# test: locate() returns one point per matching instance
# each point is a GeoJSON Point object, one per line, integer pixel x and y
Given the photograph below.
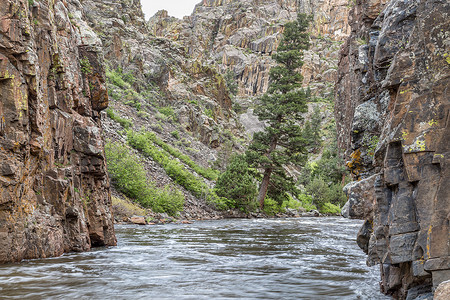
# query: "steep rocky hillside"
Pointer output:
{"type": "Point", "coordinates": [54, 189]}
{"type": "Point", "coordinates": [175, 78]}
{"type": "Point", "coordinates": [392, 112]}
{"type": "Point", "coordinates": [240, 36]}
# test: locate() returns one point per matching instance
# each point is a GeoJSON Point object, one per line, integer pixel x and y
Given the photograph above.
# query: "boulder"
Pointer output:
{"type": "Point", "coordinates": [139, 220]}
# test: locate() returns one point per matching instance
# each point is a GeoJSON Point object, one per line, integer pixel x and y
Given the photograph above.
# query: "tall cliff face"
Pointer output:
{"type": "Point", "coordinates": [392, 112]}
{"type": "Point", "coordinates": [240, 36]}
{"type": "Point", "coordinates": [54, 190]}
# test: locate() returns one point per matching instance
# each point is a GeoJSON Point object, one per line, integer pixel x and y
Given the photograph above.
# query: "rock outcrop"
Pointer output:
{"type": "Point", "coordinates": [393, 114]}
{"type": "Point", "coordinates": [240, 36]}
{"type": "Point", "coordinates": [54, 189]}
{"type": "Point", "coordinates": [161, 68]}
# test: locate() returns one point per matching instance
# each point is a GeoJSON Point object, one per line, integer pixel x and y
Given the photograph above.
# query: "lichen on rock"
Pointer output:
{"type": "Point", "coordinates": [54, 189]}
{"type": "Point", "coordinates": [397, 90]}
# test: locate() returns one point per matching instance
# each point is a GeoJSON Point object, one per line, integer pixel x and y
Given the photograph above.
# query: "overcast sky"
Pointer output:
{"type": "Point", "coordinates": [176, 8]}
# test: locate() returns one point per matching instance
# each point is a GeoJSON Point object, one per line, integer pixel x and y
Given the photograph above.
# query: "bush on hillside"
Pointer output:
{"type": "Point", "coordinates": [129, 177]}
{"type": "Point", "coordinates": [237, 184]}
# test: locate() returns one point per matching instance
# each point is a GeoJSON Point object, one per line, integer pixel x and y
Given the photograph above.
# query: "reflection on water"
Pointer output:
{"type": "Point", "coordinates": [306, 258]}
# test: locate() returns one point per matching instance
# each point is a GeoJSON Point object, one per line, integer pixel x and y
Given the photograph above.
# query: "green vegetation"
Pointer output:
{"type": "Point", "coordinates": [237, 184]}
{"type": "Point", "coordinates": [371, 143]}
{"type": "Point", "coordinates": [148, 143]}
{"type": "Point", "coordinates": [175, 134]}
{"type": "Point", "coordinates": [129, 176]}
{"type": "Point", "coordinates": [230, 80]}
{"type": "Point", "coordinates": [143, 142]}
{"type": "Point", "coordinates": [282, 143]}
{"type": "Point", "coordinates": [86, 67]}
{"type": "Point", "coordinates": [121, 88]}
{"type": "Point", "coordinates": [330, 208]}
{"type": "Point", "coordinates": [271, 207]}
{"type": "Point", "coordinates": [209, 113]}
{"type": "Point", "coordinates": [361, 41]}
{"type": "Point", "coordinates": [115, 117]}
{"type": "Point", "coordinates": [306, 202]}
{"type": "Point", "coordinates": [120, 79]}
{"type": "Point", "coordinates": [207, 173]}
{"type": "Point", "coordinates": [311, 132]}
{"type": "Point", "coordinates": [323, 179]}
{"type": "Point", "coordinates": [166, 113]}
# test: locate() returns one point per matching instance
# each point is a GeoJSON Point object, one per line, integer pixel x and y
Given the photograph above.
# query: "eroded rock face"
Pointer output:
{"type": "Point", "coordinates": [240, 36]}
{"type": "Point", "coordinates": [54, 190]}
{"type": "Point", "coordinates": [393, 105]}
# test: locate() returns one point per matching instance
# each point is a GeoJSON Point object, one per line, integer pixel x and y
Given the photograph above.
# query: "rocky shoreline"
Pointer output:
{"type": "Point", "coordinates": [151, 218]}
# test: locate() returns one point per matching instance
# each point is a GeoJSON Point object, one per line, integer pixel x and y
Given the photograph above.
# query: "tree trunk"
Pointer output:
{"type": "Point", "coordinates": [264, 187]}
{"type": "Point", "coordinates": [267, 172]}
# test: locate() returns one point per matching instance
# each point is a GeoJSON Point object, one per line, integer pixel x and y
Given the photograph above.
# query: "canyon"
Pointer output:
{"type": "Point", "coordinates": [384, 64]}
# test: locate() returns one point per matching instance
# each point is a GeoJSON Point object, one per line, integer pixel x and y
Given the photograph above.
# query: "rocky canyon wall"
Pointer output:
{"type": "Point", "coordinates": [54, 189]}
{"type": "Point", "coordinates": [240, 36]}
{"type": "Point", "coordinates": [393, 113]}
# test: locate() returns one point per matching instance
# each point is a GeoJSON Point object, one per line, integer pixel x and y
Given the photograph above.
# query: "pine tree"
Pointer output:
{"type": "Point", "coordinates": [281, 108]}
{"type": "Point", "coordinates": [237, 184]}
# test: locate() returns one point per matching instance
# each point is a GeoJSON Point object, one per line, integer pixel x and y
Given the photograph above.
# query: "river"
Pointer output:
{"type": "Point", "coordinates": [305, 258]}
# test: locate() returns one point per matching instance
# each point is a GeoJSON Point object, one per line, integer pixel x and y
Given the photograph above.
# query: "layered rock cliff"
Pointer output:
{"type": "Point", "coordinates": [392, 113]}
{"type": "Point", "coordinates": [182, 64]}
{"type": "Point", "coordinates": [240, 36]}
{"type": "Point", "coordinates": [54, 189]}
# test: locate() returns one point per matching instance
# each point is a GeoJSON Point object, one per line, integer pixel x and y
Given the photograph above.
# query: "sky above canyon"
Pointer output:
{"type": "Point", "coordinates": [176, 8]}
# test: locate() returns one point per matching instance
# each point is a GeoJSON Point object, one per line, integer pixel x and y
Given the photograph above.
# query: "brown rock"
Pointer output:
{"type": "Point", "coordinates": [138, 220]}
{"type": "Point", "coordinates": [443, 291]}
{"type": "Point", "coordinates": [48, 205]}
{"type": "Point", "coordinates": [393, 68]}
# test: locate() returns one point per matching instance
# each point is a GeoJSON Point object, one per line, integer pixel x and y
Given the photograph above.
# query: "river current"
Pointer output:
{"type": "Point", "coordinates": [305, 258]}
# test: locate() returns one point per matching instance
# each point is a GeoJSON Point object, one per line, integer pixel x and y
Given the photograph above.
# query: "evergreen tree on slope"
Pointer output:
{"type": "Point", "coordinates": [281, 108]}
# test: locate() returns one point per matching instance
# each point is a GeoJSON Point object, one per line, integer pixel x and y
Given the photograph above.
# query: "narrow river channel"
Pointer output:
{"type": "Point", "coordinates": [305, 258]}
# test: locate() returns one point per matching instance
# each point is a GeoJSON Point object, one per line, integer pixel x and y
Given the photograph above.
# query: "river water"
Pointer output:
{"type": "Point", "coordinates": [305, 258]}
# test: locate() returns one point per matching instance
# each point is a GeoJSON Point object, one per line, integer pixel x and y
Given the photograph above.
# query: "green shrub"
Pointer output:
{"type": "Point", "coordinates": [126, 170]}
{"type": "Point", "coordinates": [175, 134]}
{"type": "Point", "coordinates": [336, 195]}
{"type": "Point", "coordinates": [168, 200]}
{"type": "Point", "coordinates": [291, 203]}
{"type": "Point", "coordinates": [220, 203]}
{"type": "Point", "coordinates": [120, 79]}
{"type": "Point", "coordinates": [129, 176]}
{"type": "Point", "coordinates": [230, 80]}
{"type": "Point", "coordinates": [143, 141]}
{"type": "Point", "coordinates": [86, 67]}
{"type": "Point", "coordinates": [122, 121]}
{"type": "Point", "coordinates": [166, 110]}
{"type": "Point", "coordinates": [237, 184]}
{"type": "Point", "coordinates": [307, 202]}
{"type": "Point", "coordinates": [207, 173]}
{"type": "Point", "coordinates": [157, 127]}
{"type": "Point", "coordinates": [329, 208]}
{"type": "Point", "coordinates": [271, 207]}
{"type": "Point", "coordinates": [115, 77]}
{"type": "Point", "coordinates": [143, 114]}
{"type": "Point", "coordinates": [209, 113]}
{"type": "Point", "coordinates": [323, 192]}
{"type": "Point", "coordinates": [167, 113]}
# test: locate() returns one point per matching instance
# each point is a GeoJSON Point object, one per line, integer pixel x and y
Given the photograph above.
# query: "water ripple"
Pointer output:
{"type": "Point", "coordinates": [307, 258]}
